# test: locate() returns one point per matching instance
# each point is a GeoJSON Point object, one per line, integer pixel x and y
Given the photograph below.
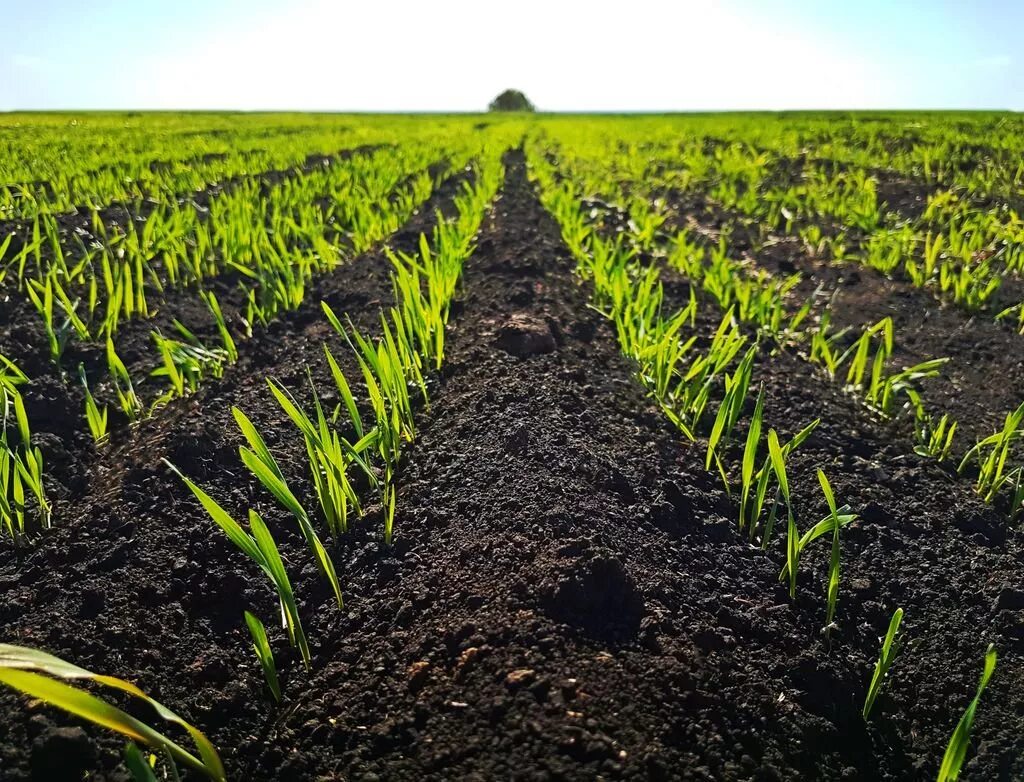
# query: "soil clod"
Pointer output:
{"type": "Point", "coordinates": [524, 335]}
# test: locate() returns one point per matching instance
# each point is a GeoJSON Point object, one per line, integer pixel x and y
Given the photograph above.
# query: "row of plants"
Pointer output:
{"type": "Point", "coordinates": [56, 165]}
{"type": "Point", "coordinates": [861, 360]}
{"type": "Point", "coordinates": [687, 382]}
{"type": "Point", "coordinates": [275, 261]}
{"type": "Point", "coordinates": [794, 177]}
{"type": "Point", "coordinates": [755, 297]}
{"type": "Point", "coordinates": [101, 284]}
{"type": "Point", "coordinates": [24, 507]}
{"type": "Point", "coordinates": [703, 391]}
{"type": "Point", "coordinates": [352, 454]}
{"type": "Point", "coordinates": [277, 280]}
{"type": "Point", "coordinates": [990, 460]}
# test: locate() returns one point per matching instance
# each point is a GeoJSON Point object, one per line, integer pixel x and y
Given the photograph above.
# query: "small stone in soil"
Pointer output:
{"type": "Point", "coordinates": [519, 677]}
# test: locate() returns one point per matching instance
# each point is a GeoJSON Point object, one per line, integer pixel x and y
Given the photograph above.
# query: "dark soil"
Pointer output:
{"type": "Point", "coordinates": [133, 568]}
{"type": "Point", "coordinates": [567, 597]}
{"type": "Point", "coordinates": [55, 399]}
{"type": "Point", "coordinates": [24, 341]}
{"type": "Point", "coordinates": [912, 509]}
{"type": "Point", "coordinates": [984, 378]}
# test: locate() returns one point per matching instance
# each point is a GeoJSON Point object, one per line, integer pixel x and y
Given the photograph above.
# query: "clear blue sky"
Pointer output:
{"type": "Point", "coordinates": [457, 54]}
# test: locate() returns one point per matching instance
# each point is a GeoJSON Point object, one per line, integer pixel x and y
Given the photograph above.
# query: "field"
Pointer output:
{"type": "Point", "coordinates": [512, 446]}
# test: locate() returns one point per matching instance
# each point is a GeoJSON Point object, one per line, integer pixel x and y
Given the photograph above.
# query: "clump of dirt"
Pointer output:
{"type": "Point", "coordinates": [523, 335]}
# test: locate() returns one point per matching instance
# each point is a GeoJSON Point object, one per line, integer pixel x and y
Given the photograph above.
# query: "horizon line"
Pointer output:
{"type": "Point", "coordinates": [470, 112]}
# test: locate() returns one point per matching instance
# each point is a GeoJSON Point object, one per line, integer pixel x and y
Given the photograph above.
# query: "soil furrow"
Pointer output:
{"type": "Point", "coordinates": [568, 593]}
{"type": "Point", "coordinates": [925, 542]}
{"type": "Point", "coordinates": [55, 405]}
{"type": "Point", "coordinates": [135, 579]}
{"type": "Point", "coordinates": [545, 606]}
{"type": "Point", "coordinates": [984, 378]}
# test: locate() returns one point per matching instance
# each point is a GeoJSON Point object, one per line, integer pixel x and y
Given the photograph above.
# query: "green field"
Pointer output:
{"type": "Point", "coordinates": [512, 446]}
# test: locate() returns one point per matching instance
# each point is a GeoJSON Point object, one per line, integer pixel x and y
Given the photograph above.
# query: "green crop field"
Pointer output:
{"type": "Point", "coordinates": [511, 446]}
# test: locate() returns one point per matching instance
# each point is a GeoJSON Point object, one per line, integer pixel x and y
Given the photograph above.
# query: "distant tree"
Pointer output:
{"type": "Point", "coordinates": [511, 100]}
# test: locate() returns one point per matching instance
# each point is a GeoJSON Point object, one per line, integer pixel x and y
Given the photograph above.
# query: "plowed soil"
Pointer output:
{"type": "Point", "coordinates": [567, 596]}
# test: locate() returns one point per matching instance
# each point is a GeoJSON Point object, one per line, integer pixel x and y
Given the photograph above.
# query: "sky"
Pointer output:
{"type": "Point", "coordinates": [456, 55]}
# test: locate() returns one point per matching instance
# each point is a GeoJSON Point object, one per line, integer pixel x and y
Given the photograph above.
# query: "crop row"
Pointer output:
{"type": "Point", "coordinates": [962, 245]}
{"type": "Point", "coordinates": [51, 167]}
{"type": "Point", "coordinates": [270, 242]}
{"type": "Point", "coordinates": [702, 383]}
{"type": "Point", "coordinates": [861, 359]}
{"type": "Point", "coordinates": [353, 453]}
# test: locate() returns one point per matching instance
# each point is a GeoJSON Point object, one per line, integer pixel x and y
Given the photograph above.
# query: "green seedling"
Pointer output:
{"type": "Point", "coordinates": [260, 547]}
{"type": "Point", "coordinates": [41, 676]}
{"type": "Point", "coordinates": [750, 459]}
{"type": "Point", "coordinates": [890, 648]}
{"type": "Point", "coordinates": [832, 592]}
{"type": "Point", "coordinates": [261, 463]}
{"type": "Point", "coordinates": [959, 742]}
{"type": "Point", "coordinates": [992, 454]}
{"type": "Point", "coordinates": [94, 416]}
{"type": "Point", "coordinates": [127, 399]}
{"type": "Point", "coordinates": [261, 645]}
{"type": "Point", "coordinates": [228, 342]}
{"type": "Point", "coordinates": [792, 538]}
